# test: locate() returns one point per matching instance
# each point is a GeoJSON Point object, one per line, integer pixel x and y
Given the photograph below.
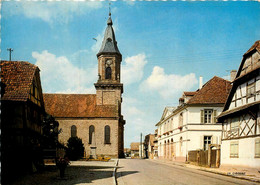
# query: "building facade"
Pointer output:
{"type": "Point", "coordinates": [149, 146]}
{"type": "Point", "coordinates": [192, 125]}
{"type": "Point", "coordinates": [241, 115]}
{"type": "Point", "coordinates": [95, 118]}
{"type": "Point", "coordinates": [134, 149]}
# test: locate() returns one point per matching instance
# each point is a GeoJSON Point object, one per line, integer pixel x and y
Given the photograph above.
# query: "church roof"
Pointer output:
{"type": "Point", "coordinates": [109, 44]}
{"type": "Point", "coordinates": [16, 79]}
{"type": "Point", "coordinates": [216, 90]}
{"type": "Point", "coordinates": [77, 106]}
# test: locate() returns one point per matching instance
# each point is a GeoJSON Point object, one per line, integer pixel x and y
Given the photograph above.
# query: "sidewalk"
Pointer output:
{"type": "Point", "coordinates": [251, 174]}
{"type": "Point", "coordinates": [78, 172]}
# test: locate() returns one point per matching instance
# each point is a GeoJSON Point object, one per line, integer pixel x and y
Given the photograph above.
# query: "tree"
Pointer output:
{"type": "Point", "coordinates": [50, 128]}
{"type": "Point", "coordinates": [75, 148]}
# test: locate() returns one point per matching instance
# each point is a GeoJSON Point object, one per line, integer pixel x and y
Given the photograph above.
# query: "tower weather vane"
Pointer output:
{"type": "Point", "coordinates": [109, 9]}
{"type": "Point", "coordinates": [10, 53]}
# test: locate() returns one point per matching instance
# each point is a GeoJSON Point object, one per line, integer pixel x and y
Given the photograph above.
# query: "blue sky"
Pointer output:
{"type": "Point", "coordinates": [165, 46]}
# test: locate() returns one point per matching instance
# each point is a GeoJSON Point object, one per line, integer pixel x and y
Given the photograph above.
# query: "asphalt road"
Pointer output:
{"type": "Point", "coordinates": [146, 172]}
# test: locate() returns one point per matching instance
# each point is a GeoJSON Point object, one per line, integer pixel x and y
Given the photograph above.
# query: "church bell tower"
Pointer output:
{"type": "Point", "coordinates": [108, 86]}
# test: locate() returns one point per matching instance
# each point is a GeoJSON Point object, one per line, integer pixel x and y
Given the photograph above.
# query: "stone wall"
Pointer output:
{"type": "Point", "coordinates": [83, 125]}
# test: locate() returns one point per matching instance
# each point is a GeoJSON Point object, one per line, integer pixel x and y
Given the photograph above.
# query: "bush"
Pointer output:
{"type": "Point", "coordinates": [75, 148]}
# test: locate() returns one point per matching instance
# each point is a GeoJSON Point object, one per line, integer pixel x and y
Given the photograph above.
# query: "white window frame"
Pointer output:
{"type": "Point", "coordinates": [206, 145]}
{"type": "Point", "coordinates": [208, 113]}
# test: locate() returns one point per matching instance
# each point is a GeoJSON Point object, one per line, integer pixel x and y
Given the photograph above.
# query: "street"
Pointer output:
{"type": "Point", "coordinates": [147, 172]}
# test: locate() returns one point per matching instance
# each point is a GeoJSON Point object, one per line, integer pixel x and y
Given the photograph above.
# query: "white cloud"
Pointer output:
{"type": "Point", "coordinates": [132, 69]}
{"type": "Point", "coordinates": [61, 12]}
{"type": "Point", "coordinates": [130, 2]}
{"type": "Point", "coordinates": [168, 85]}
{"type": "Point", "coordinates": [58, 74]}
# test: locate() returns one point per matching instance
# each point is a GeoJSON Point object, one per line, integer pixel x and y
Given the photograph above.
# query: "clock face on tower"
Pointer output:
{"type": "Point", "coordinates": [108, 62]}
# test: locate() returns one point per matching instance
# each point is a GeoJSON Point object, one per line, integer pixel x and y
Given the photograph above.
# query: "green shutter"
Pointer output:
{"type": "Point", "coordinates": [202, 116]}
{"type": "Point", "coordinates": [257, 147]}
{"type": "Point", "coordinates": [215, 116]}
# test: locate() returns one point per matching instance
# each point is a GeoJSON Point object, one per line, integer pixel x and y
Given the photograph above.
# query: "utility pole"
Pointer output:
{"type": "Point", "coordinates": [10, 53]}
{"type": "Point", "coordinates": [141, 147]}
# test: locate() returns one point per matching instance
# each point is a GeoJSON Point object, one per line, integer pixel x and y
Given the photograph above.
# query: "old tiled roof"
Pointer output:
{"type": "Point", "coordinates": [189, 93]}
{"type": "Point", "coordinates": [134, 146]}
{"type": "Point", "coordinates": [17, 77]}
{"type": "Point", "coordinates": [255, 46]}
{"type": "Point", "coordinates": [77, 106]}
{"type": "Point", "coordinates": [214, 91]}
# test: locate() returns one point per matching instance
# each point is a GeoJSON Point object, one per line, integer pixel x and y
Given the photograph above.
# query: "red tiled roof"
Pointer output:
{"type": "Point", "coordinates": [17, 76]}
{"type": "Point", "coordinates": [189, 93]}
{"type": "Point", "coordinates": [134, 146]}
{"type": "Point", "coordinates": [255, 46]}
{"type": "Point", "coordinates": [215, 90]}
{"type": "Point", "coordinates": [77, 105]}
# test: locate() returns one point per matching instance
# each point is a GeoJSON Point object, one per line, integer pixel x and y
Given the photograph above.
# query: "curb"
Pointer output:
{"type": "Point", "coordinates": [223, 173]}
{"type": "Point", "coordinates": [211, 171]}
{"type": "Point", "coordinates": [114, 172]}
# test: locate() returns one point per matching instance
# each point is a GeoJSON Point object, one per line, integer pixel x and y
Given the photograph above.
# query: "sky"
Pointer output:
{"type": "Point", "coordinates": [166, 46]}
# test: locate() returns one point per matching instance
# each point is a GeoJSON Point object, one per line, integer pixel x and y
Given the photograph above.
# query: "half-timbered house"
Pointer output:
{"type": "Point", "coordinates": [22, 112]}
{"type": "Point", "coordinates": [241, 115]}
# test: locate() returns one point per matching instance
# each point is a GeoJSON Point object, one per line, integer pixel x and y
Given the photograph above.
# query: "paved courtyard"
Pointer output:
{"type": "Point", "coordinates": [79, 172]}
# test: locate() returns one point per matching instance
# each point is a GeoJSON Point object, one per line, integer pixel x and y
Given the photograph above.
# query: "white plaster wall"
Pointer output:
{"type": "Point", "coordinates": [246, 153]}
{"type": "Point", "coordinates": [194, 113]}
{"type": "Point", "coordinates": [197, 139]}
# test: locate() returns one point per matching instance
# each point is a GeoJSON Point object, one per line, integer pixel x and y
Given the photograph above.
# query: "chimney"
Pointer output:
{"type": "Point", "coordinates": [233, 74]}
{"type": "Point", "coordinates": [201, 82]}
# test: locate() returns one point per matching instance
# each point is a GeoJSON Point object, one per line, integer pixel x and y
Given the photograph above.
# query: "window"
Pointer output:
{"type": "Point", "coordinates": [181, 141]}
{"type": "Point", "coordinates": [251, 89]}
{"type": "Point", "coordinates": [108, 72]}
{"type": "Point", "coordinates": [91, 131]}
{"type": "Point", "coordinates": [207, 116]}
{"type": "Point", "coordinates": [257, 147]}
{"type": "Point", "coordinates": [73, 131]}
{"type": "Point", "coordinates": [180, 119]}
{"type": "Point", "coordinates": [207, 141]}
{"type": "Point", "coordinates": [107, 134]}
{"type": "Point", "coordinates": [234, 149]}
{"type": "Point", "coordinates": [234, 123]}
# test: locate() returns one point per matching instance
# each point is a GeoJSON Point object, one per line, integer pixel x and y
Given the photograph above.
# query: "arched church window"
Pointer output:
{"type": "Point", "coordinates": [107, 134]}
{"type": "Point", "coordinates": [91, 131]}
{"type": "Point", "coordinates": [108, 72]}
{"type": "Point", "coordinates": [73, 131]}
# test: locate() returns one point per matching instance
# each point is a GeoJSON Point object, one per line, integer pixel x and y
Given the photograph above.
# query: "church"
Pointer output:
{"type": "Point", "coordinates": [95, 118]}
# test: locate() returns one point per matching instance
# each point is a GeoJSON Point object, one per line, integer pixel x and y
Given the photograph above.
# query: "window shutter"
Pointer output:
{"type": "Point", "coordinates": [257, 147]}
{"type": "Point", "coordinates": [202, 116]}
{"type": "Point", "coordinates": [214, 116]}
{"type": "Point", "coordinates": [234, 149]}
{"type": "Point", "coordinates": [214, 140]}
{"type": "Point", "coordinates": [202, 142]}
